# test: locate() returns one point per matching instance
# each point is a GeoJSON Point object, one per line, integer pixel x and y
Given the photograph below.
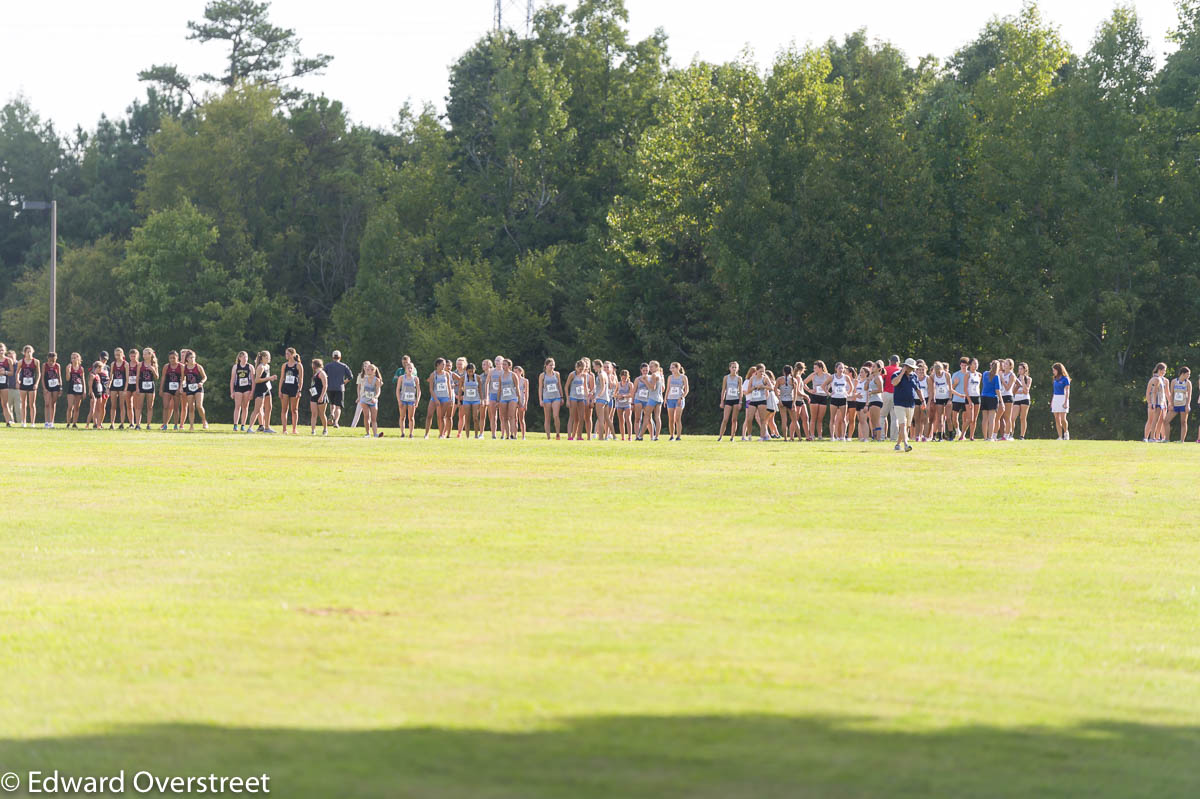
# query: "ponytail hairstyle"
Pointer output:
{"type": "Point", "coordinates": [317, 364]}
{"type": "Point", "coordinates": [819, 364]}
{"type": "Point", "coordinates": [1161, 367]}
{"type": "Point", "coordinates": [261, 358]}
{"type": "Point", "coordinates": [786, 371]}
{"type": "Point", "coordinates": [290, 353]}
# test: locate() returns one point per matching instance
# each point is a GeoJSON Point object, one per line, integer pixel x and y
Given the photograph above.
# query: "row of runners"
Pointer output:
{"type": "Point", "coordinates": [600, 401]}
{"type": "Point", "coordinates": [862, 403]}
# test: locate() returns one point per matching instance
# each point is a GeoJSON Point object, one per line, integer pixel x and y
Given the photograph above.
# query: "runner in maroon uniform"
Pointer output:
{"type": "Point", "coordinates": [52, 381]}
{"type": "Point", "coordinates": [169, 386]}
{"type": "Point", "coordinates": [119, 385]}
{"type": "Point", "coordinates": [29, 374]}
{"type": "Point", "coordinates": [193, 391]}
{"type": "Point", "coordinates": [143, 404]}
{"type": "Point", "coordinates": [75, 389]}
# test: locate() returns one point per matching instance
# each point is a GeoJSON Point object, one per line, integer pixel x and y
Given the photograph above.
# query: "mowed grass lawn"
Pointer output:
{"type": "Point", "coordinates": [487, 619]}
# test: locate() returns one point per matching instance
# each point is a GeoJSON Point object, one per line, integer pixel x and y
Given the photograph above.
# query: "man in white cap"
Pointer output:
{"type": "Point", "coordinates": [905, 393]}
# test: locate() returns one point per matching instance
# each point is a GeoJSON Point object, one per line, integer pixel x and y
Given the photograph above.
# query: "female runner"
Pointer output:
{"type": "Point", "coordinates": [641, 393]}
{"type": "Point", "coordinates": [623, 403]}
{"type": "Point", "coordinates": [974, 382]}
{"type": "Point", "coordinates": [118, 413]}
{"type": "Point", "coordinates": [818, 383]}
{"type": "Point", "coordinates": [860, 401]}
{"type": "Point", "coordinates": [133, 356]}
{"type": "Point", "coordinates": [260, 417]}
{"type": "Point", "coordinates": [1156, 404]}
{"type": "Point", "coordinates": [147, 374]}
{"type": "Point", "coordinates": [318, 398]}
{"type": "Point", "coordinates": [1060, 402]}
{"type": "Point", "coordinates": [470, 410]}
{"type": "Point", "coordinates": [602, 401]}
{"type": "Point", "coordinates": [509, 395]}
{"type": "Point", "coordinates": [578, 390]}
{"type": "Point", "coordinates": [29, 376]}
{"type": "Point", "coordinates": [493, 393]}
{"type": "Point", "coordinates": [839, 393]}
{"type": "Point", "coordinates": [756, 399]}
{"type": "Point", "coordinates": [785, 386]}
{"type": "Point", "coordinates": [169, 384]}
{"type": "Point", "coordinates": [851, 426]}
{"type": "Point", "coordinates": [369, 388]}
{"type": "Point", "coordinates": [550, 397]}
{"type": "Point", "coordinates": [440, 401]}
{"type": "Point", "coordinates": [728, 400]}
{"type": "Point", "coordinates": [1008, 382]}
{"type": "Point", "coordinates": [1181, 401]}
{"type": "Point", "coordinates": [677, 391]}
{"type": "Point", "coordinates": [194, 378]}
{"type": "Point", "coordinates": [409, 389]}
{"type": "Point", "coordinates": [98, 392]}
{"type": "Point", "coordinates": [522, 398]}
{"type": "Point", "coordinates": [52, 383]}
{"type": "Point", "coordinates": [875, 401]}
{"type": "Point", "coordinates": [1021, 393]}
{"type": "Point", "coordinates": [652, 417]}
{"type": "Point", "coordinates": [941, 400]}
{"type": "Point", "coordinates": [291, 377]}
{"type": "Point", "coordinates": [76, 390]}
{"type": "Point", "coordinates": [802, 398]}
{"type": "Point", "coordinates": [7, 383]}
{"type": "Point", "coordinates": [241, 390]}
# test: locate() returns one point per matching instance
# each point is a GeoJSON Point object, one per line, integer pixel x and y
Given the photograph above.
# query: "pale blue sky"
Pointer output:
{"type": "Point", "coordinates": [77, 58]}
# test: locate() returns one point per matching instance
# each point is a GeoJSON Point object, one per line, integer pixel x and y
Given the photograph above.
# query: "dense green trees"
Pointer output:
{"type": "Point", "coordinates": [582, 196]}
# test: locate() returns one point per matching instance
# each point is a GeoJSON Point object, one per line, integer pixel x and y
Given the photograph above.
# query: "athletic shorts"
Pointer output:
{"type": "Point", "coordinates": [504, 402]}
{"type": "Point", "coordinates": [787, 403]}
{"type": "Point", "coordinates": [493, 397]}
{"type": "Point", "coordinates": [652, 403]}
{"type": "Point", "coordinates": [1008, 399]}
{"type": "Point", "coordinates": [988, 403]}
{"type": "Point", "coordinates": [191, 393]}
{"type": "Point", "coordinates": [958, 406]}
{"type": "Point", "coordinates": [470, 402]}
{"type": "Point", "coordinates": [335, 398]}
{"type": "Point", "coordinates": [732, 402]}
{"type": "Point", "coordinates": [756, 403]}
{"type": "Point", "coordinates": [974, 400]}
{"type": "Point", "coordinates": [240, 389]}
{"type": "Point", "coordinates": [604, 402]}
{"type": "Point", "coordinates": [53, 390]}
{"type": "Point", "coordinates": [1026, 402]}
{"type": "Point", "coordinates": [408, 403]}
{"type": "Point", "coordinates": [674, 403]}
{"type": "Point", "coordinates": [146, 390]}
{"type": "Point", "coordinates": [289, 391]}
{"type": "Point", "coordinates": [837, 402]}
{"type": "Point", "coordinates": [858, 406]}
{"type": "Point", "coordinates": [941, 401]}
{"type": "Point", "coordinates": [820, 399]}
{"type": "Point", "coordinates": [875, 404]}
{"type": "Point", "coordinates": [1177, 408]}
{"type": "Point", "coordinates": [551, 401]}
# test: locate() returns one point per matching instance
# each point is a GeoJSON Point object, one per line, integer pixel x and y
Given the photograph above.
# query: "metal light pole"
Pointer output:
{"type": "Point", "coordinates": [52, 207]}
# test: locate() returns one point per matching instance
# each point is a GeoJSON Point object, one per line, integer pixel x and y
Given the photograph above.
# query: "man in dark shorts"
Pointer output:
{"type": "Point", "coordinates": [339, 375]}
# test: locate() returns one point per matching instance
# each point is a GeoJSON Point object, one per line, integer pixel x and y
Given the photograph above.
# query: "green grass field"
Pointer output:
{"type": "Point", "coordinates": [487, 619]}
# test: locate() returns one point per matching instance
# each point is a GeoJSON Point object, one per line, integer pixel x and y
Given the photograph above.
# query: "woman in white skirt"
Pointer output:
{"type": "Point", "coordinates": [1060, 403]}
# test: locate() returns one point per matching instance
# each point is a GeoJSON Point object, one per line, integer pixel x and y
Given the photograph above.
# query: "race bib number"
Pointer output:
{"type": "Point", "coordinates": [643, 393]}
{"type": "Point", "coordinates": [471, 393]}
{"type": "Point", "coordinates": [27, 381]}
{"type": "Point", "coordinates": [147, 385]}
{"type": "Point", "coordinates": [77, 388]}
{"type": "Point", "coordinates": [314, 392]}
{"type": "Point", "coordinates": [731, 392]}
{"type": "Point", "coordinates": [409, 396]}
{"type": "Point", "coordinates": [52, 382]}
{"type": "Point", "coordinates": [756, 395]}
{"type": "Point", "coordinates": [552, 389]}
{"type": "Point", "coordinates": [1180, 397]}
{"type": "Point", "coordinates": [172, 386]}
{"type": "Point", "coordinates": [118, 382]}
{"type": "Point", "coordinates": [674, 392]}
{"type": "Point", "coordinates": [506, 392]}
{"type": "Point", "coordinates": [289, 379]}
{"type": "Point", "coordinates": [193, 386]}
{"type": "Point", "coordinates": [577, 390]}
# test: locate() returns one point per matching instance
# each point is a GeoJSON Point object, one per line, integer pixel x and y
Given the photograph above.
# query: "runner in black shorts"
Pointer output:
{"type": "Point", "coordinates": [241, 388]}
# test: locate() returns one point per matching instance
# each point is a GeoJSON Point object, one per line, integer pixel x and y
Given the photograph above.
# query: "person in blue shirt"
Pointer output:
{"type": "Point", "coordinates": [1060, 403]}
{"type": "Point", "coordinates": [991, 402]}
{"type": "Point", "coordinates": [905, 393]}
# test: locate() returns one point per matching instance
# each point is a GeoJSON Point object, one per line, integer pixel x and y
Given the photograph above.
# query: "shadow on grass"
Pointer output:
{"type": "Point", "coordinates": [640, 756]}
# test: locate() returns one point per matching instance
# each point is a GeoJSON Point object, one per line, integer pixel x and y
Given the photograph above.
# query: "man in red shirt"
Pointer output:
{"type": "Point", "coordinates": [889, 395]}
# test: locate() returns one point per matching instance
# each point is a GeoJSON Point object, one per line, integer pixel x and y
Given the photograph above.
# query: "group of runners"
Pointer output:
{"type": "Point", "coordinates": [859, 403]}
{"type": "Point", "coordinates": [1167, 400]}
{"type": "Point", "coordinates": [601, 402]}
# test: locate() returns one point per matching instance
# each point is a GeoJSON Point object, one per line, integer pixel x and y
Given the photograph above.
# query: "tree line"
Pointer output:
{"type": "Point", "coordinates": [581, 195]}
